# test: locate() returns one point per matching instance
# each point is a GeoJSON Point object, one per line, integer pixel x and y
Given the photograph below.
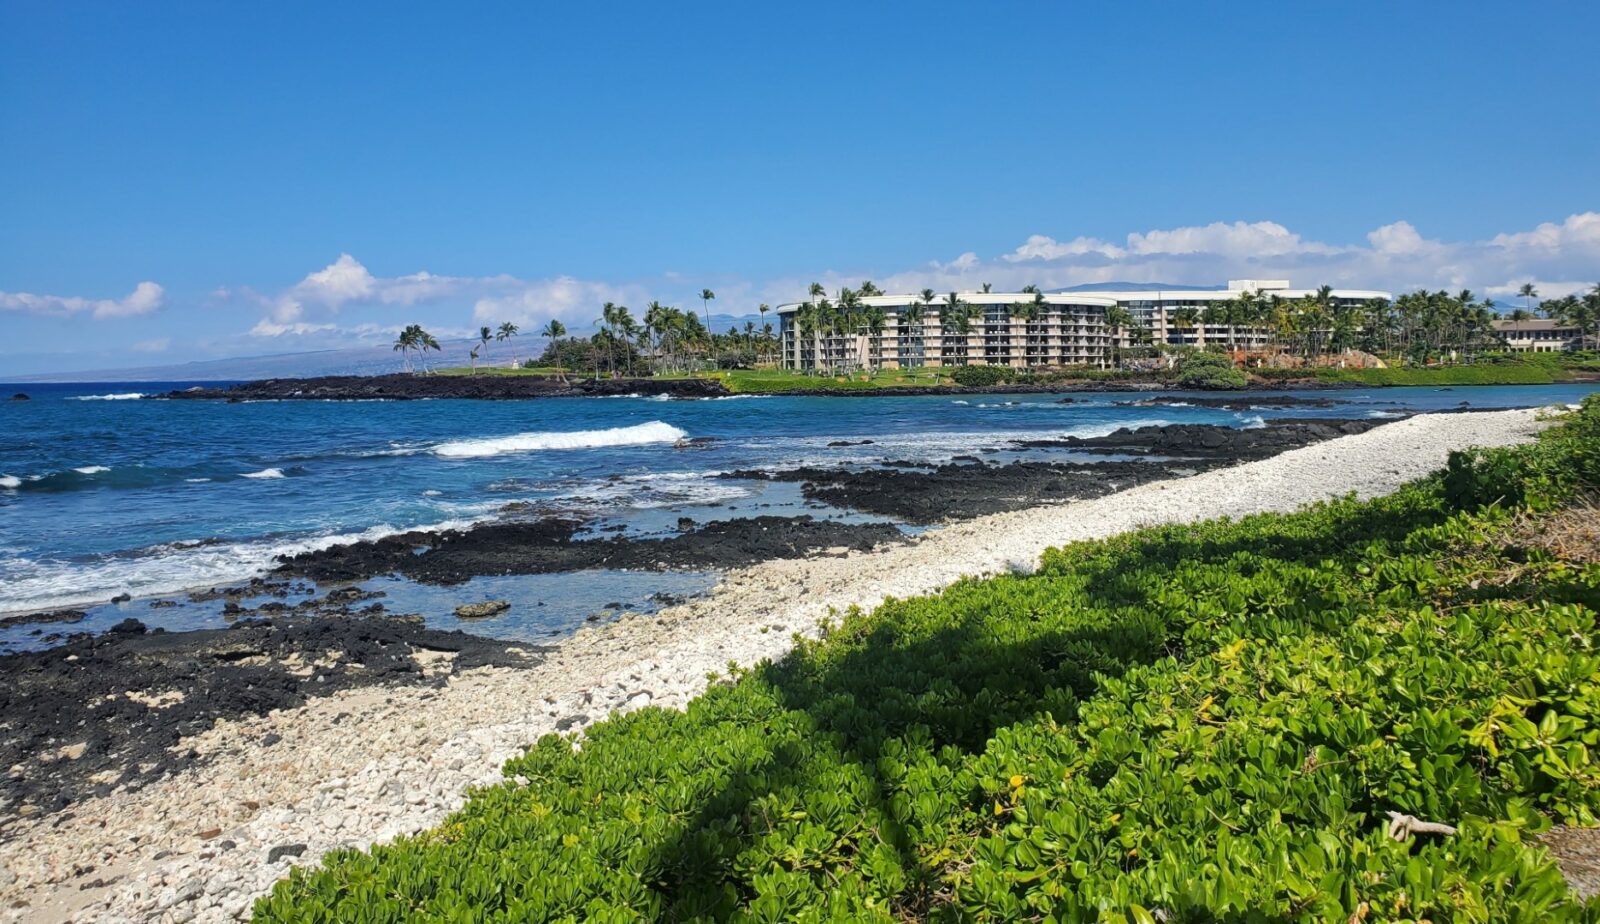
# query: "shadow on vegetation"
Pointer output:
{"type": "Point", "coordinates": [892, 691]}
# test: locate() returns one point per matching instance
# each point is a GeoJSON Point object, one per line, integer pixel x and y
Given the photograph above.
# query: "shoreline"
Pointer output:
{"type": "Point", "coordinates": [898, 494]}
{"type": "Point", "coordinates": [367, 765]}
{"type": "Point", "coordinates": [490, 387]}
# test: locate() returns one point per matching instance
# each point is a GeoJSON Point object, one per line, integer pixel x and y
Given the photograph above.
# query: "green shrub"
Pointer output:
{"type": "Point", "coordinates": [1210, 721]}
{"type": "Point", "coordinates": [1209, 370]}
{"type": "Point", "coordinates": [1476, 374]}
{"type": "Point", "coordinates": [981, 376]}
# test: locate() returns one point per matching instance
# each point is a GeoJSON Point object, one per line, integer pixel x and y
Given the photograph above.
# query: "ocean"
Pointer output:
{"type": "Point", "coordinates": [103, 492]}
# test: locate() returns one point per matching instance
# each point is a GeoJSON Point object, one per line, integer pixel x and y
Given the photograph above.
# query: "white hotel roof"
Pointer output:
{"type": "Point", "coordinates": [978, 298]}
{"type": "Point", "coordinates": [1207, 295]}
{"type": "Point", "coordinates": [1109, 297]}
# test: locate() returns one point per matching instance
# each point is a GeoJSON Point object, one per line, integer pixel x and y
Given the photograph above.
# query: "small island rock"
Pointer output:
{"type": "Point", "coordinates": [481, 610]}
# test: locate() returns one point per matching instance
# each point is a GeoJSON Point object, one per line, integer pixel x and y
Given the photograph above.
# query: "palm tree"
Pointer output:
{"type": "Point", "coordinates": [1185, 318]}
{"type": "Point", "coordinates": [1583, 313]}
{"type": "Point", "coordinates": [1117, 320]}
{"type": "Point", "coordinates": [910, 324]}
{"type": "Point", "coordinates": [955, 316]}
{"type": "Point", "coordinates": [763, 308]}
{"type": "Point", "coordinates": [868, 287]}
{"type": "Point", "coordinates": [613, 317]}
{"type": "Point", "coordinates": [706, 295]}
{"type": "Point", "coordinates": [554, 331]}
{"type": "Point", "coordinates": [873, 320]}
{"type": "Point", "coordinates": [1528, 293]}
{"type": "Point", "coordinates": [505, 333]}
{"type": "Point", "coordinates": [426, 342]}
{"type": "Point", "coordinates": [655, 319]}
{"type": "Point", "coordinates": [1027, 312]}
{"type": "Point", "coordinates": [484, 336]}
{"type": "Point", "coordinates": [406, 342]}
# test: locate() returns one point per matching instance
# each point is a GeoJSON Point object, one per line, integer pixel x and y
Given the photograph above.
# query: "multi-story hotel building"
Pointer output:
{"type": "Point", "coordinates": [1063, 329]}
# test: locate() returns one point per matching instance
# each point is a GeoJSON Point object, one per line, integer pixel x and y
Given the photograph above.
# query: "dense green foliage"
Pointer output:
{"type": "Point", "coordinates": [1207, 722]}
{"type": "Point", "coordinates": [1209, 370]}
{"type": "Point", "coordinates": [1477, 374]}
{"type": "Point", "coordinates": [981, 376]}
{"type": "Point", "coordinates": [783, 381]}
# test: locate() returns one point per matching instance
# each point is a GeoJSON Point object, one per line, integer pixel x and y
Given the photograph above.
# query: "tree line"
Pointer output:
{"type": "Point", "coordinates": [665, 339]}
{"type": "Point", "coordinates": [1421, 327]}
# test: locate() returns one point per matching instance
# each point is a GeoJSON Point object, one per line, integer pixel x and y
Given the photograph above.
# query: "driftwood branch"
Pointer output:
{"type": "Point", "coordinates": [1402, 826]}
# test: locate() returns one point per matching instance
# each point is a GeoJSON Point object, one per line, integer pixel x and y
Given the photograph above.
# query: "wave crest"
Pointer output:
{"type": "Point", "coordinates": [655, 431]}
{"type": "Point", "coordinates": [264, 473]}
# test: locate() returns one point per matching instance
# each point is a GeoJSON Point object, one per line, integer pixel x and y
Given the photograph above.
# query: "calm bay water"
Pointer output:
{"type": "Point", "coordinates": [102, 493]}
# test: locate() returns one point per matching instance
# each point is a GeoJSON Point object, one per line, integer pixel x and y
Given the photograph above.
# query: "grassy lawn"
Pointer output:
{"type": "Point", "coordinates": [1521, 369]}
{"type": "Point", "coordinates": [1506, 374]}
{"type": "Point", "coordinates": [1185, 723]}
{"type": "Point", "coordinates": [497, 370]}
{"type": "Point", "coordinates": [766, 381]}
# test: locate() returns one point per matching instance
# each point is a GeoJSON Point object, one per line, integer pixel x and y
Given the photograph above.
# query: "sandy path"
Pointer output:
{"type": "Point", "coordinates": [369, 765]}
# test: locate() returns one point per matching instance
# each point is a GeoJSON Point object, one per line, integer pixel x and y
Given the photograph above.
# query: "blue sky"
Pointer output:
{"type": "Point", "coordinates": [281, 176]}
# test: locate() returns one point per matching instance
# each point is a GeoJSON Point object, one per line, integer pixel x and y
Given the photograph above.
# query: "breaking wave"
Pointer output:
{"type": "Point", "coordinates": [655, 431]}
{"type": "Point", "coordinates": [264, 473]}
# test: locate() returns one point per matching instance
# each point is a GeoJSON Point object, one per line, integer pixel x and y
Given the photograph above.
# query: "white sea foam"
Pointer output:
{"type": "Point", "coordinates": [801, 451]}
{"type": "Point", "coordinates": [10, 481]}
{"type": "Point", "coordinates": [659, 398]}
{"type": "Point", "coordinates": [662, 489]}
{"type": "Point", "coordinates": [92, 469]}
{"type": "Point", "coordinates": [640, 434]}
{"type": "Point", "coordinates": [125, 396]}
{"type": "Point", "coordinates": [264, 473]}
{"type": "Point", "coordinates": [197, 480]}
{"type": "Point", "coordinates": [1253, 422]}
{"type": "Point", "coordinates": [30, 586]}
{"type": "Point", "coordinates": [1386, 414]}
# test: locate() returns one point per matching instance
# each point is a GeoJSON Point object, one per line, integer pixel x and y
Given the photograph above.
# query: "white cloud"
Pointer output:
{"type": "Point", "coordinates": [1040, 247]}
{"type": "Point", "coordinates": [309, 306]}
{"type": "Point", "coordinates": [153, 345]}
{"type": "Point", "coordinates": [575, 301]}
{"type": "Point", "coordinates": [1237, 240]}
{"type": "Point", "coordinates": [1545, 288]}
{"type": "Point", "coordinates": [145, 298]}
{"type": "Point", "coordinates": [267, 327]}
{"type": "Point", "coordinates": [1396, 256]}
{"type": "Point", "coordinates": [1581, 231]}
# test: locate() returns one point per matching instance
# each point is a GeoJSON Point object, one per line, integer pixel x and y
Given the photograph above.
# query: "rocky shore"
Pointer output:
{"type": "Point", "coordinates": [108, 713]}
{"type": "Point", "coordinates": [247, 791]}
{"type": "Point", "coordinates": [958, 490]}
{"type": "Point", "coordinates": [549, 546]}
{"type": "Point", "coordinates": [513, 387]}
{"type": "Point", "coordinates": [415, 387]}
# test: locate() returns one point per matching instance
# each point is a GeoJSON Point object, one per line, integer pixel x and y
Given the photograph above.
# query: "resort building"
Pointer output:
{"type": "Point", "coordinates": [1024, 329]}
{"type": "Point", "coordinates": [1541, 335]}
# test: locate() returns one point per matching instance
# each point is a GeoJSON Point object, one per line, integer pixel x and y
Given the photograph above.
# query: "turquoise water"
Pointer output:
{"type": "Point", "coordinates": [102, 494]}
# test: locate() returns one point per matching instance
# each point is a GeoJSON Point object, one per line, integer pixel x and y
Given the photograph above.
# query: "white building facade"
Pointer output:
{"type": "Point", "coordinates": [1023, 329]}
{"type": "Point", "coordinates": [1540, 335]}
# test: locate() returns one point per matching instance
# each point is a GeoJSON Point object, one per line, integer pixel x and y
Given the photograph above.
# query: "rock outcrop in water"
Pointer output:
{"type": "Point", "coordinates": [413, 387]}
{"type": "Point", "coordinates": [549, 546]}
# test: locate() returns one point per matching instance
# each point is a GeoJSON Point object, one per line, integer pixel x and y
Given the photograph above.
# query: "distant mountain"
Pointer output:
{"type": "Point", "coordinates": [360, 361]}
{"type": "Point", "coordinates": [371, 360]}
